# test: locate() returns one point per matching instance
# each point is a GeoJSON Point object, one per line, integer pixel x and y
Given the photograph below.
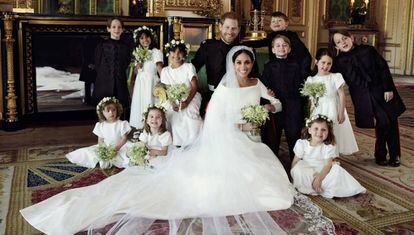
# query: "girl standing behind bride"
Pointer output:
{"type": "Point", "coordinates": [184, 118]}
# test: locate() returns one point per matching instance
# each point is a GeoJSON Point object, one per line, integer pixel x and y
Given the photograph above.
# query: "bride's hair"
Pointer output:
{"type": "Point", "coordinates": [241, 51]}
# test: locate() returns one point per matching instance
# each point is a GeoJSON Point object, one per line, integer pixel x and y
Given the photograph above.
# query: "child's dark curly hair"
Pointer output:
{"type": "Point", "coordinates": [147, 32]}
{"type": "Point", "coordinates": [330, 139]}
{"type": "Point", "coordinates": [179, 45]}
{"type": "Point", "coordinates": [107, 101]}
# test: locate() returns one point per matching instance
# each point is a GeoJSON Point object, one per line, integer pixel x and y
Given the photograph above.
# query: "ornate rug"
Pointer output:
{"type": "Point", "coordinates": [29, 175]}
{"type": "Point", "coordinates": [42, 172]}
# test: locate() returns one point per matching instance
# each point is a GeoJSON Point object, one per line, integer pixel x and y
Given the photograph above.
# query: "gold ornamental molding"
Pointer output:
{"type": "Point", "coordinates": [23, 6]}
{"type": "Point", "coordinates": [11, 98]}
{"type": "Point", "coordinates": [207, 8]}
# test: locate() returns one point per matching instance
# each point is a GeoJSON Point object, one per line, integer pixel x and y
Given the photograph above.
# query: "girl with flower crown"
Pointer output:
{"type": "Point", "coordinates": [155, 134]}
{"type": "Point", "coordinates": [148, 64]}
{"type": "Point", "coordinates": [313, 169]}
{"type": "Point", "coordinates": [183, 116]}
{"type": "Point", "coordinates": [111, 132]}
{"type": "Point", "coordinates": [333, 103]}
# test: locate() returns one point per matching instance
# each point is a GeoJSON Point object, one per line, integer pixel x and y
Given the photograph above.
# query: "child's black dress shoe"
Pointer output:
{"type": "Point", "coordinates": [381, 162]}
{"type": "Point", "coordinates": [394, 163]}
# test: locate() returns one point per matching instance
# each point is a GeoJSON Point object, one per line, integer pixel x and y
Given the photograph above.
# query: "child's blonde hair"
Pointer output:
{"type": "Point", "coordinates": [162, 110]}
{"type": "Point", "coordinates": [107, 101]}
{"type": "Point", "coordinates": [319, 118]}
{"type": "Point", "coordinates": [283, 37]}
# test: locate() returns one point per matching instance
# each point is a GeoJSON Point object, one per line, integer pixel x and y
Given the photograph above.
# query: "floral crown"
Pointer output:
{"type": "Point", "coordinates": [310, 120]}
{"type": "Point", "coordinates": [102, 103]}
{"type": "Point", "coordinates": [136, 32]}
{"type": "Point", "coordinates": [152, 106]}
{"type": "Point", "coordinates": [175, 43]}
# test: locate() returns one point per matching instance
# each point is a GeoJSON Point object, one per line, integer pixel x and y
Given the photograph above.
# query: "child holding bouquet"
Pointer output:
{"type": "Point", "coordinates": [148, 61]}
{"type": "Point", "coordinates": [332, 103]}
{"type": "Point", "coordinates": [313, 169]}
{"type": "Point", "coordinates": [155, 135]}
{"type": "Point", "coordinates": [112, 138]}
{"type": "Point", "coordinates": [184, 100]}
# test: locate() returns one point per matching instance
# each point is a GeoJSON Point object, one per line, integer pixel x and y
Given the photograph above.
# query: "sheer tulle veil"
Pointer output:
{"type": "Point", "coordinates": [214, 178]}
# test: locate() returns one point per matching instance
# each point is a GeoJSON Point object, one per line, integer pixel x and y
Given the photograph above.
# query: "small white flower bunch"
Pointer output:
{"type": "Point", "coordinates": [136, 32]}
{"type": "Point", "coordinates": [138, 155]}
{"type": "Point", "coordinates": [255, 114]}
{"type": "Point", "coordinates": [174, 43]}
{"type": "Point", "coordinates": [313, 89]}
{"type": "Point", "coordinates": [178, 92]}
{"type": "Point", "coordinates": [106, 153]}
{"type": "Point", "coordinates": [310, 120]}
{"type": "Point", "coordinates": [105, 100]}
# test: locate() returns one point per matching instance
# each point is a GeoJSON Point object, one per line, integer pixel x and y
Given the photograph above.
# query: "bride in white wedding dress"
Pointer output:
{"type": "Point", "coordinates": [223, 173]}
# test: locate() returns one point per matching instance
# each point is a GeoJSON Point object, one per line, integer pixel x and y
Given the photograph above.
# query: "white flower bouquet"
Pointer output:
{"type": "Point", "coordinates": [313, 90]}
{"type": "Point", "coordinates": [106, 153]}
{"type": "Point", "coordinates": [140, 55]}
{"type": "Point", "coordinates": [138, 154]}
{"type": "Point", "coordinates": [177, 92]}
{"type": "Point", "coordinates": [255, 114]}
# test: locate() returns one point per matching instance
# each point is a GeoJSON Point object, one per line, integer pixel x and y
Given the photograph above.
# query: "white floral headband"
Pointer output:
{"type": "Point", "coordinates": [136, 32]}
{"type": "Point", "coordinates": [152, 106]}
{"type": "Point", "coordinates": [102, 103]}
{"type": "Point", "coordinates": [310, 120]}
{"type": "Point", "coordinates": [175, 43]}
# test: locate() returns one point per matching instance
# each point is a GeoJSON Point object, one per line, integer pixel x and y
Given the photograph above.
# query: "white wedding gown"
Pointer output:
{"type": "Point", "coordinates": [220, 181]}
{"type": "Point", "coordinates": [223, 173]}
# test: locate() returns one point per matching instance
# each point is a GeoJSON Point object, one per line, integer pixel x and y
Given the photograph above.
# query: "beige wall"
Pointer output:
{"type": "Point", "coordinates": [396, 28]}
{"type": "Point", "coordinates": [395, 20]}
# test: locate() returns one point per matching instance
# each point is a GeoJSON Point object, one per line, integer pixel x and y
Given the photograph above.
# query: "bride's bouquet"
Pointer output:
{"type": "Point", "coordinates": [177, 93]}
{"type": "Point", "coordinates": [256, 115]}
{"type": "Point", "coordinates": [140, 55]}
{"type": "Point", "coordinates": [138, 154]}
{"type": "Point", "coordinates": [106, 153]}
{"type": "Point", "coordinates": [313, 90]}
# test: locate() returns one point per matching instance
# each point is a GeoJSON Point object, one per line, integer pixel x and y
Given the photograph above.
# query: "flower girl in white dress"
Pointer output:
{"type": "Point", "coordinates": [147, 76]}
{"type": "Point", "coordinates": [111, 132]}
{"type": "Point", "coordinates": [332, 104]}
{"type": "Point", "coordinates": [184, 118]}
{"type": "Point", "coordinates": [155, 134]}
{"type": "Point", "coordinates": [313, 169]}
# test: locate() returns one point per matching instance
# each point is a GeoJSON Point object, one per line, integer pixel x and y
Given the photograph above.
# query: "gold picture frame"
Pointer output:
{"type": "Point", "coordinates": [94, 7]}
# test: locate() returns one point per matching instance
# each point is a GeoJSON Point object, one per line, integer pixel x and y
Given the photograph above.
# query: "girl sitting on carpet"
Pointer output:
{"type": "Point", "coordinates": [111, 132]}
{"type": "Point", "coordinates": [155, 134]}
{"type": "Point", "coordinates": [313, 170]}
